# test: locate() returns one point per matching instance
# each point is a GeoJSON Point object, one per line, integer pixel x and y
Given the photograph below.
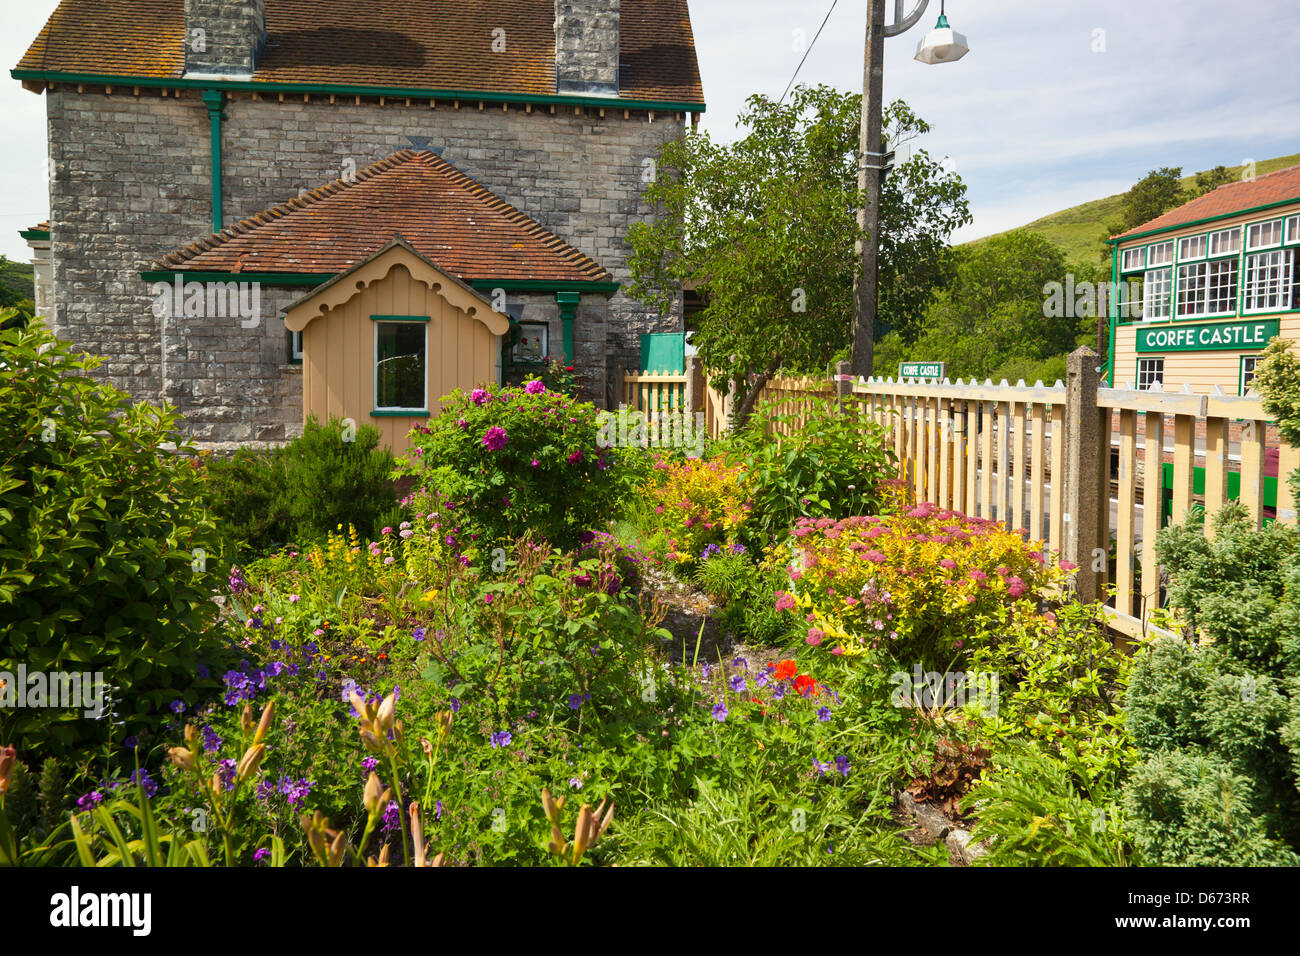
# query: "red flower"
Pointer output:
{"type": "Point", "coordinates": [786, 669]}
{"type": "Point", "coordinates": [806, 686]}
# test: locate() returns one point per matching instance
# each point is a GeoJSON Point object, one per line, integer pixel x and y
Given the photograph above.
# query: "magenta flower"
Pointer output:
{"type": "Point", "coordinates": [535, 388]}
{"type": "Point", "coordinates": [784, 601]}
{"type": "Point", "coordinates": [495, 439]}
{"type": "Point", "coordinates": [478, 396]}
{"type": "Point", "coordinates": [575, 457]}
{"type": "Point", "coordinates": [815, 636]}
{"type": "Point", "coordinates": [1016, 587]}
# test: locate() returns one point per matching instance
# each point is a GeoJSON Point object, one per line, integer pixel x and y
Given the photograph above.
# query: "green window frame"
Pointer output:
{"type": "Point", "coordinates": [401, 365]}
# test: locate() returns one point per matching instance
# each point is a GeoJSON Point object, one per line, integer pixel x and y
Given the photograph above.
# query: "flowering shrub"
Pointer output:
{"type": "Point", "coordinates": [698, 503]}
{"type": "Point", "coordinates": [918, 585]}
{"type": "Point", "coordinates": [508, 461]}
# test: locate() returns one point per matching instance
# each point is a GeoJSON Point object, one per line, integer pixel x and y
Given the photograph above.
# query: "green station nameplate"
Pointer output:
{"type": "Point", "coordinates": [1216, 337]}
{"type": "Point", "coordinates": [921, 370]}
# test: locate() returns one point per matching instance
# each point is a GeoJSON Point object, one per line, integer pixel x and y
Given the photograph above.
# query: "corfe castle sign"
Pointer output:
{"type": "Point", "coordinates": [1219, 337]}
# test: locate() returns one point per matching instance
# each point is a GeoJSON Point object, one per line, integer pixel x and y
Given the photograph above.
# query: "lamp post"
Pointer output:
{"type": "Point", "coordinates": [941, 45]}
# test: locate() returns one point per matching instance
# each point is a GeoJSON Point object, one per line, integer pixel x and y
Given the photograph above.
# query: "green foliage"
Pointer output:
{"type": "Point", "coordinates": [746, 591]}
{"type": "Point", "coordinates": [997, 318]}
{"type": "Point", "coordinates": [1217, 722]}
{"type": "Point", "coordinates": [104, 546]}
{"type": "Point", "coordinates": [1061, 685]}
{"type": "Point", "coordinates": [326, 478]}
{"type": "Point", "coordinates": [1189, 809]}
{"type": "Point", "coordinates": [510, 461]}
{"type": "Point", "coordinates": [832, 464]}
{"type": "Point", "coordinates": [766, 227]}
{"type": "Point", "coordinates": [1278, 382]}
{"type": "Point", "coordinates": [1033, 811]}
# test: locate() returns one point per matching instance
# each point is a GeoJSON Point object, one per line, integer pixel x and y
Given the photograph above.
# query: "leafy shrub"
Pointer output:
{"type": "Point", "coordinates": [831, 465]}
{"type": "Point", "coordinates": [745, 591]}
{"type": "Point", "coordinates": [1189, 809]}
{"type": "Point", "coordinates": [1062, 684]}
{"type": "Point", "coordinates": [698, 503]}
{"type": "Point", "coordinates": [1032, 811]}
{"type": "Point", "coordinates": [918, 585]}
{"type": "Point", "coordinates": [509, 461]}
{"type": "Point", "coordinates": [103, 545]}
{"type": "Point", "coordinates": [323, 480]}
{"type": "Point", "coordinates": [1278, 382]}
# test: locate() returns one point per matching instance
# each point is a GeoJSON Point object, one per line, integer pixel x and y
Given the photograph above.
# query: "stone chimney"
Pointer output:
{"type": "Point", "coordinates": [587, 47]}
{"type": "Point", "coordinates": [223, 37]}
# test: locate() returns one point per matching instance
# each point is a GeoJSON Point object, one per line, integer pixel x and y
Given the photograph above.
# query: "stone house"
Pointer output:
{"type": "Point", "coordinates": [214, 161]}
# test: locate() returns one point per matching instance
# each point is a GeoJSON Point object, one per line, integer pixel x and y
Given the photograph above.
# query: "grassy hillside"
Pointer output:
{"type": "Point", "coordinates": [1078, 230]}
{"type": "Point", "coordinates": [17, 276]}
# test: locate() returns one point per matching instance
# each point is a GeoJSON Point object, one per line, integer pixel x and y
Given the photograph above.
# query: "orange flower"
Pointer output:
{"type": "Point", "coordinates": [786, 669]}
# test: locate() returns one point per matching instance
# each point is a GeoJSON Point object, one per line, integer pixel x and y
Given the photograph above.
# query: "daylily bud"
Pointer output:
{"type": "Point", "coordinates": [426, 746]}
{"type": "Point", "coordinates": [265, 723]}
{"type": "Point", "coordinates": [315, 826]}
{"type": "Point", "coordinates": [376, 797]}
{"type": "Point", "coordinates": [386, 714]}
{"type": "Point", "coordinates": [191, 737]}
{"type": "Point", "coordinates": [8, 757]}
{"type": "Point", "coordinates": [436, 861]}
{"type": "Point", "coordinates": [444, 723]}
{"type": "Point", "coordinates": [417, 835]}
{"type": "Point", "coordinates": [582, 833]}
{"type": "Point", "coordinates": [383, 858]}
{"type": "Point", "coordinates": [372, 743]}
{"type": "Point", "coordinates": [603, 821]}
{"type": "Point", "coordinates": [246, 718]}
{"type": "Point", "coordinates": [251, 760]}
{"type": "Point", "coordinates": [337, 849]}
{"type": "Point", "coordinates": [182, 757]}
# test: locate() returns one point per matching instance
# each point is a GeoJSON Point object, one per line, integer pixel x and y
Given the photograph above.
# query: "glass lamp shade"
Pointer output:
{"type": "Point", "coordinates": [943, 44]}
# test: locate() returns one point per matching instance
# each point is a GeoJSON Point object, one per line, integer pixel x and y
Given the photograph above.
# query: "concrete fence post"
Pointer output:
{"type": "Point", "coordinates": [1087, 461]}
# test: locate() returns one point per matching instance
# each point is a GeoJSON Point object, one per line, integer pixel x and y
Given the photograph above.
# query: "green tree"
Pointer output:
{"type": "Point", "coordinates": [1209, 181]}
{"type": "Point", "coordinates": [1278, 383]}
{"type": "Point", "coordinates": [1154, 195]}
{"type": "Point", "coordinates": [766, 227]}
{"type": "Point", "coordinates": [996, 318]}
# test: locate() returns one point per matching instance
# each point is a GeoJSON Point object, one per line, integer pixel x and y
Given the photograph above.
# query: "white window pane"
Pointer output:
{"type": "Point", "coordinates": [1156, 299]}
{"type": "Point", "coordinates": [1261, 235]}
{"type": "Point", "coordinates": [1293, 229]}
{"type": "Point", "coordinates": [1225, 242]}
{"type": "Point", "coordinates": [1160, 254]}
{"type": "Point", "coordinates": [1134, 259]}
{"type": "Point", "coordinates": [1193, 247]}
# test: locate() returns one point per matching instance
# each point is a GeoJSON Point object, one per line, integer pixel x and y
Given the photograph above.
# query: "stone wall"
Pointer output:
{"type": "Point", "coordinates": [587, 46]}
{"type": "Point", "coordinates": [223, 36]}
{"type": "Point", "coordinates": [132, 182]}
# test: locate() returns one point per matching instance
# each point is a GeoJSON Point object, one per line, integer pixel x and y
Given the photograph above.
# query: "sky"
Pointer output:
{"type": "Point", "coordinates": [1056, 104]}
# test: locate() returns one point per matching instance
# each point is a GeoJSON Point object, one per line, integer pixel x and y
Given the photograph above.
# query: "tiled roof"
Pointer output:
{"type": "Point", "coordinates": [1275, 187]}
{"type": "Point", "coordinates": [400, 44]}
{"type": "Point", "coordinates": [446, 216]}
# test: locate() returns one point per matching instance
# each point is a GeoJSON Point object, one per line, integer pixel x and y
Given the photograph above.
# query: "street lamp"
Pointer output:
{"type": "Point", "coordinates": [941, 45]}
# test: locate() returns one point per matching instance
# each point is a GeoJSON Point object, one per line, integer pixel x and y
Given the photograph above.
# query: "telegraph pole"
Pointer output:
{"type": "Point", "coordinates": [867, 283]}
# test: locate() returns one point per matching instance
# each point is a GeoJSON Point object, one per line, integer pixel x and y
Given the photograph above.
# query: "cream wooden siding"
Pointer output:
{"type": "Point", "coordinates": [1200, 371]}
{"type": "Point", "coordinates": [339, 354]}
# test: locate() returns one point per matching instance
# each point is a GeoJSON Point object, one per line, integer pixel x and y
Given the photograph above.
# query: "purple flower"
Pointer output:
{"type": "Point", "coordinates": [842, 765]}
{"type": "Point", "coordinates": [418, 634]}
{"type": "Point", "coordinates": [478, 397]}
{"type": "Point", "coordinates": [575, 783]}
{"type": "Point", "coordinates": [455, 705]}
{"type": "Point", "coordinates": [761, 679]}
{"type": "Point", "coordinates": [501, 739]}
{"type": "Point", "coordinates": [577, 700]}
{"type": "Point", "coordinates": [94, 798]}
{"type": "Point", "coordinates": [824, 714]}
{"type": "Point", "coordinates": [821, 768]}
{"type": "Point", "coordinates": [535, 387]}
{"type": "Point", "coordinates": [131, 742]}
{"type": "Point", "coordinates": [226, 771]}
{"type": "Point", "coordinates": [295, 791]}
{"type": "Point", "coordinates": [720, 712]}
{"type": "Point", "coordinates": [737, 683]}
{"type": "Point", "coordinates": [178, 706]}
{"type": "Point", "coordinates": [494, 439]}
{"type": "Point", "coordinates": [392, 817]}
{"type": "Point", "coordinates": [211, 742]}
{"type": "Point", "coordinates": [142, 779]}
{"type": "Point", "coordinates": [261, 855]}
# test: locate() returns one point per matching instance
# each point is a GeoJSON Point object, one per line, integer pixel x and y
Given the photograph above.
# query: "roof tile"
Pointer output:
{"type": "Point", "coordinates": [446, 216]}
{"type": "Point", "coordinates": [1274, 187]}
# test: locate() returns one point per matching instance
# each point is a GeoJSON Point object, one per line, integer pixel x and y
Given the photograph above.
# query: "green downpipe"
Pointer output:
{"type": "Point", "coordinates": [568, 302]}
{"type": "Point", "coordinates": [214, 100]}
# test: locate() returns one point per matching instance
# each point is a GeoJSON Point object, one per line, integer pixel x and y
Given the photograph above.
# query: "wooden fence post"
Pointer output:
{"type": "Point", "coordinates": [694, 384]}
{"type": "Point", "coordinates": [1084, 454]}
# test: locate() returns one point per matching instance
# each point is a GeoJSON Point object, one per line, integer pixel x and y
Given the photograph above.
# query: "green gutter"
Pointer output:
{"type": "Point", "coordinates": [1200, 222]}
{"type": "Point", "coordinates": [214, 100]}
{"type": "Point", "coordinates": [47, 76]}
{"type": "Point", "coordinates": [35, 235]}
{"type": "Point", "coordinates": [546, 285]}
